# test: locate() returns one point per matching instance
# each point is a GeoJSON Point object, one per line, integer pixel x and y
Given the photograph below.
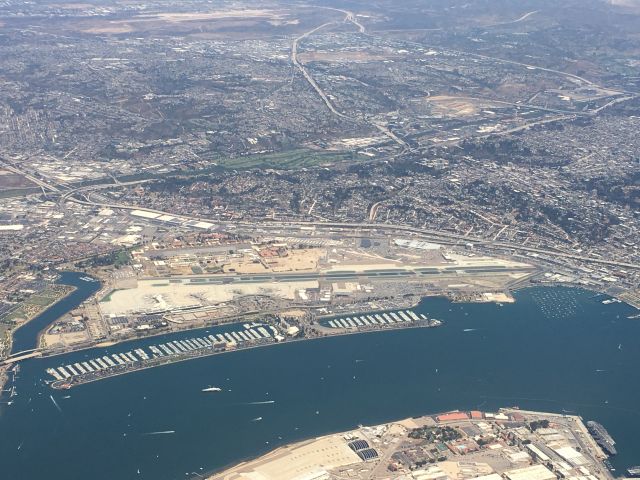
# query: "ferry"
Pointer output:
{"type": "Point", "coordinates": [212, 389]}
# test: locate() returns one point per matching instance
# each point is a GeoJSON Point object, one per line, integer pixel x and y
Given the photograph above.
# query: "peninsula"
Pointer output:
{"type": "Point", "coordinates": [511, 444]}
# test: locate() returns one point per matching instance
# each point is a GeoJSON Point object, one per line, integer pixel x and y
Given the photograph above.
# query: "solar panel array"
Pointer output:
{"type": "Point", "coordinates": [357, 445]}
{"type": "Point", "coordinates": [362, 448]}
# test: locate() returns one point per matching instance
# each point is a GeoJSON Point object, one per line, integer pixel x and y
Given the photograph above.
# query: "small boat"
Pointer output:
{"type": "Point", "coordinates": [634, 471]}
{"type": "Point", "coordinates": [212, 389]}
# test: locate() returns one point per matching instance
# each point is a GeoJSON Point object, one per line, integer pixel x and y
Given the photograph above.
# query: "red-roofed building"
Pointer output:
{"type": "Point", "coordinates": [451, 417]}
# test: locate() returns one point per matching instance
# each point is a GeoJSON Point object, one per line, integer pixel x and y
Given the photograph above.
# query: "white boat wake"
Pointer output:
{"type": "Point", "coordinates": [55, 403]}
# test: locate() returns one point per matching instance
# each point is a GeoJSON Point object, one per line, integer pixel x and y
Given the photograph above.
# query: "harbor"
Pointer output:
{"type": "Point", "coordinates": [251, 335]}
{"type": "Point", "coordinates": [473, 361]}
{"type": "Point", "coordinates": [106, 366]}
{"type": "Point", "coordinates": [398, 319]}
{"type": "Point", "coordinates": [634, 472]}
{"type": "Point", "coordinates": [602, 437]}
{"type": "Point", "coordinates": [453, 445]}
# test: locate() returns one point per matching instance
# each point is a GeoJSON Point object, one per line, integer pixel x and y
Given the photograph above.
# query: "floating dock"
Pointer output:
{"type": "Point", "coordinates": [382, 320]}
{"type": "Point", "coordinates": [67, 376]}
{"type": "Point", "coordinates": [253, 334]}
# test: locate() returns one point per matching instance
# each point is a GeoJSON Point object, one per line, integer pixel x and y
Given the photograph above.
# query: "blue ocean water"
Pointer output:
{"type": "Point", "coordinates": [555, 349]}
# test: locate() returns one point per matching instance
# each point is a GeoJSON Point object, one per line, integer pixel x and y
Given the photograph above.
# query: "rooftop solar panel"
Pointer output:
{"type": "Point", "coordinates": [368, 454]}
{"type": "Point", "coordinates": [357, 445]}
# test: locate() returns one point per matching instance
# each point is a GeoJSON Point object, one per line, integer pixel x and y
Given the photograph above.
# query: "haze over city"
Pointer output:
{"type": "Point", "coordinates": [392, 239]}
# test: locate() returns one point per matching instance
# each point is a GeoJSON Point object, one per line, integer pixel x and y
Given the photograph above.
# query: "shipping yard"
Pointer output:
{"type": "Point", "coordinates": [511, 444]}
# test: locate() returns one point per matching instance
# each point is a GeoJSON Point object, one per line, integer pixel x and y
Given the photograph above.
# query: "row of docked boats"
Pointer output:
{"type": "Point", "coordinates": [381, 320]}
{"type": "Point", "coordinates": [65, 376]}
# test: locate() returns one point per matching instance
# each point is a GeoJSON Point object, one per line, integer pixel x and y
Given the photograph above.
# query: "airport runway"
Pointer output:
{"type": "Point", "coordinates": [420, 272]}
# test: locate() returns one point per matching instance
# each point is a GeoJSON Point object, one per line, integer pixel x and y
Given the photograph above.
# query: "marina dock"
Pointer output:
{"type": "Point", "coordinates": [382, 320]}
{"type": "Point", "coordinates": [67, 376]}
{"type": "Point", "coordinates": [244, 336]}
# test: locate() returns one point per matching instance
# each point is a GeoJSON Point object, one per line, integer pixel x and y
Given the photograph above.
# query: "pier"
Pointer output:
{"type": "Point", "coordinates": [251, 335]}
{"type": "Point", "coordinates": [67, 376]}
{"type": "Point", "coordinates": [377, 321]}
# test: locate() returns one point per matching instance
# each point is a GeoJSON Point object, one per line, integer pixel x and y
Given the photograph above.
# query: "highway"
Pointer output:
{"type": "Point", "coordinates": [528, 66]}
{"type": "Point", "coordinates": [19, 358]}
{"type": "Point", "coordinates": [431, 233]}
{"type": "Point", "coordinates": [42, 184]}
{"type": "Point", "coordinates": [349, 17]}
{"type": "Point", "coordinates": [307, 75]}
{"type": "Point", "coordinates": [422, 232]}
{"type": "Point", "coordinates": [373, 211]}
{"type": "Point", "coordinates": [103, 186]}
{"type": "Point", "coordinates": [517, 20]}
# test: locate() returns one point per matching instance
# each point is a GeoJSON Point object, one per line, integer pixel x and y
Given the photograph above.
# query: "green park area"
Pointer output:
{"type": "Point", "coordinates": [289, 160]}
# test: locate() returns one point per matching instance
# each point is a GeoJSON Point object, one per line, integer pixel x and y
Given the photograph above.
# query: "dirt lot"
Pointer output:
{"type": "Point", "coordinates": [330, 57]}
{"type": "Point", "coordinates": [202, 21]}
{"type": "Point", "coordinates": [295, 261]}
{"type": "Point", "coordinates": [10, 180]}
{"type": "Point", "coordinates": [64, 339]}
{"type": "Point", "coordinates": [452, 106]}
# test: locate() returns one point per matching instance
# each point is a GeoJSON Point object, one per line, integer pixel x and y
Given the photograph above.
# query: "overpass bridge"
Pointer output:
{"type": "Point", "coordinates": [19, 356]}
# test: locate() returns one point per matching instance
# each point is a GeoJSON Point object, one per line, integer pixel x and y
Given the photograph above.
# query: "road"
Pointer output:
{"type": "Point", "coordinates": [349, 17]}
{"type": "Point", "coordinates": [103, 186]}
{"type": "Point", "coordinates": [528, 66]}
{"type": "Point", "coordinates": [307, 75]}
{"type": "Point", "coordinates": [423, 232]}
{"type": "Point", "coordinates": [373, 211]}
{"type": "Point", "coordinates": [535, 67]}
{"type": "Point", "coordinates": [481, 241]}
{"type": "Point", "coordinates": [42, 184]}
{"type": "Point", "coordinates": [517, 20]}
{"type": "Point", "coordinates": [19, 358]}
